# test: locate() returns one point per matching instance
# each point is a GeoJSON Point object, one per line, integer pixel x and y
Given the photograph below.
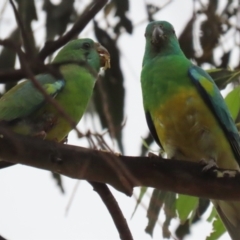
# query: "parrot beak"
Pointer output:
{"type": "Point", "coordinates": [104, 56]}
{"type": "Point", "coordinates": [157, 34]}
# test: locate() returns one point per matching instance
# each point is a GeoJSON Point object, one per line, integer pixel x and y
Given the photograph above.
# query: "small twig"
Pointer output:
{"type": "Point", "coordinates": [106, 108]}
{"type": "Point", "coordinates": [72, 197]}
{"type": "Point", "coordinates": [114, 209]}
{"type": "Point", "coordinates": [87, 15]}
{"type": "Point", "coordinates": [123, 174]}
{"type": "Point", "coordinates": [36, 67]}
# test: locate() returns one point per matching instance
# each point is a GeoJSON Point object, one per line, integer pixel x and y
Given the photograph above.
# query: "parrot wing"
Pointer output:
{"type": "Point", "coordinates": [213, 98]}
{"type": "Point", "coordinates": [152, 129]}
{"type": "Point", "coordinates": [25, 98]}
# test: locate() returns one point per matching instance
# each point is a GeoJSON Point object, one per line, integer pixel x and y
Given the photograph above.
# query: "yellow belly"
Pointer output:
{"type": "Point", "coordinates": [189, 131]}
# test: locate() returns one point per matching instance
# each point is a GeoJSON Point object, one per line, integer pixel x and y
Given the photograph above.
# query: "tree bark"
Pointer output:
{"type": "Point", "coordinates": [122, 172]}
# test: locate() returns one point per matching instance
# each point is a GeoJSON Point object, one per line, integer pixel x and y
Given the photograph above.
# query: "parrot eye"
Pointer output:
{"type": "Point", "coordinates": [86, 45]}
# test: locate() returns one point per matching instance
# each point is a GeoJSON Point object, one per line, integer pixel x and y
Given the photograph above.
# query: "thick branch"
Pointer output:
{"type": "Point", "coordinates": [121, 172]}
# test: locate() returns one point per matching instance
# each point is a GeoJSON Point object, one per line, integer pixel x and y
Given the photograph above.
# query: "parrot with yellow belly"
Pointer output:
{"type": "Point", "coordinates": [186, 113]}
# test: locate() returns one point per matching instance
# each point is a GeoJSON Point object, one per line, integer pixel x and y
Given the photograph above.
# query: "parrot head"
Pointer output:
{"type": "Point", "coordinates": [82, 51]}
{"type": "Point", "coordinates": [160, 40]}
{"type": "Point", "coordinates": [159, 32]}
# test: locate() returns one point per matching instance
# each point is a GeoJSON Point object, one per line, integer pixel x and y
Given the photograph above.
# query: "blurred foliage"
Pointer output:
{"type": "Point", "coordinates": [215, 25]}
{"type": "Point", "coordinates": [27, 11]}
{"type": "Point", "coordinates": [143, 190]}
{"type": "Point", "coordinates": [109, 94]}
{"type": "Point", "coordinates": [58, 180]}
{"type": "Point", "coordinates": [195, 215]}
{"type": "Point", "coordinates": [233, 102]}
{"type": "Point", "coordinates": [120, 8]}
{"type": "Point", "coordinates": [8, 56]}
{"type": "Point", "coordinates": [217, 224]}
{"type": "Point", "coordinates": [58, 17]}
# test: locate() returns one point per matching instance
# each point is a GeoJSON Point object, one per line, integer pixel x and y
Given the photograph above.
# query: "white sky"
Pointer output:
{"type": "Point", "coordinates": [32, 207]}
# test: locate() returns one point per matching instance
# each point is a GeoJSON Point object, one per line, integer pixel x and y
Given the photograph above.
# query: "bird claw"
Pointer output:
{"type": "Point", "coordinates": [212, 165]}
{"type": "Point", "coordinates": [152, 155]}
{"type": "Point", "coordinates": [41, 134]}
{"type": "Point", "coordinates": [208, 165]}
{"type": "Point", "coordinates": [226, 173]}
{"type": "Point", "coordinates": [65, 140]}
{"type": "Point", "coordinates": [118, 154]}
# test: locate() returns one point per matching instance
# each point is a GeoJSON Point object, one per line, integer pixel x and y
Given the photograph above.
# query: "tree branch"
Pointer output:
{"type": "Point", "coordinates": [168, 175]}
{"type": "Point", "coordinates": [88, 14]}
{"type": "Point", "coordinates": [2, 238]}
{"type": "Point", "coordinates": [113, 208]}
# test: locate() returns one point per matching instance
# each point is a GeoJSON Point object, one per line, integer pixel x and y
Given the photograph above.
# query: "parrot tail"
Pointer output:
{"type": "Point", "coordinates": [229, 212]}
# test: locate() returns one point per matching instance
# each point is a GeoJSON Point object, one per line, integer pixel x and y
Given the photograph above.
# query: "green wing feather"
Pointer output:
{"type": "Point", "coordinates": [25, 98]}
{"type": "Point", "coordinates": [211, 95]}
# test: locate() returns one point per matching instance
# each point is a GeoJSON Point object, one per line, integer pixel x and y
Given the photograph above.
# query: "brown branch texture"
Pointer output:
{"type": "Point", "coordinates": [124, 173]}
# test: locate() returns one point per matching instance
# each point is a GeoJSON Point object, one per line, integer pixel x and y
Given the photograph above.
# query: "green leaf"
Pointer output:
{"type": "Point", "coordinates": [142, 193]}
{"type": "Point", "coordinates": [58, 179]}
{"type": "Point", "coordinates": [212, 215]}
{"type": "Point", "coordinates": [170, 205]}
{"type": "Point", "coordinates": [233, 102]}
{"type": "Point", "coordinates": [185, 205]}
{"type": "Point", "coordinates": [158, 200]}
{"type": "Point", "coordinates": [154, 208]}
{"type": "Point", "coordinates": [218, 229]}
{"type": "Point", "coordinates": [184, 228]}
{"type": "Point", "coordinates": [222, 76]}
{"type": "Point", "coordinates": [145, 144]}
{"type": "Point", "coordinates": [170, 212]}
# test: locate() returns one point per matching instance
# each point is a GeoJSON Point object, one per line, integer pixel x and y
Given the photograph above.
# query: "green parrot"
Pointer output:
{"type": "Point", "coordinates": [24, 109]}
{"type": "Point", "coordinates": [186, 113]}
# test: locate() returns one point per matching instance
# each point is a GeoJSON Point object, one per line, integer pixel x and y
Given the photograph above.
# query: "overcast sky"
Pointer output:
{"type": "Point", "coordinates": [32, 207]}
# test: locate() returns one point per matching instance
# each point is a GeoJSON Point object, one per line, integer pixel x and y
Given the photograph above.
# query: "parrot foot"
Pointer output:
{"type": "Point", "coordinates": [118, 154]}
{"type": "Point", "coordinates": [226, 173]}
{"type": "Point", "coordinates": [115, 153]}
{"type": "Point", "coordinates": [65, 140]}
{"type": "Point", "coordinates": [208, 165]}
{"type": "Point", "coordinates": [152, 155]}
{"type": "Point", "coordinates": [41, 134]}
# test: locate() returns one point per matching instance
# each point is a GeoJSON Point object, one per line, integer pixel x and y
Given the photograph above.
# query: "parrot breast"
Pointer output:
{"type": "Point", "coordinates": [189, 131]}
